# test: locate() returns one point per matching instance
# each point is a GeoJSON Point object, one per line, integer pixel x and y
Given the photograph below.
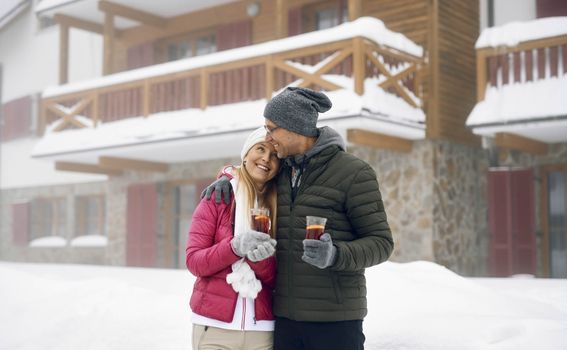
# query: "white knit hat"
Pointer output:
{"type": "Point", "coordinates": [258, 135]}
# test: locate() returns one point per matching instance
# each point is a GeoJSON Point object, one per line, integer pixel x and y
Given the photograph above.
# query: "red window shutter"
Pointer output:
{"type": "Point", "coordinates": [500, 255]}
{"type": "Point", "coordinates": [523, 224]}
{"type": "Point", "coordinates": [16, 116]}
{"type": "Point", "coordinates": [20, 223]}
{"type": "Point", "coordinates": [141, 225]}
{"type": "Point", "coordinates": [511, 205]}
{"type": "Point", "coordinates": [234, 35]}
{"type": "Point", "coordinates": [140, 56]}
{"type": "Point", "coordinates": [294, 21]}
{"type": "Point", "coordinates": [551, 8]}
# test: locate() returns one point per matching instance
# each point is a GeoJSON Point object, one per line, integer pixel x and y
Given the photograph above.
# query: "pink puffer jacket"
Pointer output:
{"type": "Point", "coordinates": [209, 257]}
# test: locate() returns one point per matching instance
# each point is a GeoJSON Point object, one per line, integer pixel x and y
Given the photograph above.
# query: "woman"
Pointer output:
{"type": "Point", "coordinates": [234, 265]}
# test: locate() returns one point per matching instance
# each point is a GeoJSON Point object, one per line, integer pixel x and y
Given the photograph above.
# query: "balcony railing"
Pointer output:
{"type": "Point", "coordinates": [249, 73]}
{"type": "Point", "coordinates": [526, 62]}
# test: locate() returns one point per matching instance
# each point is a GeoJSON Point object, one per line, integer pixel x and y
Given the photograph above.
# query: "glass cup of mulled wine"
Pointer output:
{"type": "Point", "coordinates": [315, 227]}
{"type": "Point", "coordinates": [260, 219]}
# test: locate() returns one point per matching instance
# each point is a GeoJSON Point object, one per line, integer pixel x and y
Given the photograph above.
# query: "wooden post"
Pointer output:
{"type": "Point", "coordinates": [146, 106]}
{"type": "Point", "coordinates": [354, 9]}
{"type": "Point", "coordinates": [204, 88]}
{"type": "Point", "coordinates": [281, 19]}
{"type": "Point", "coordinates": [269, 77]}
{"type": "Point", "coordinates": [433, 121]}
{"type": "Point", "coordinates": [480, 75]}
{"type": "Point", "coordinates": [95, 110]}
{"type": "Point", "coordinates": [107, 66]}
{"type": "Point", "coordinates": [358, 65]}
{"type": "Point", "coordinates": [63, 54]}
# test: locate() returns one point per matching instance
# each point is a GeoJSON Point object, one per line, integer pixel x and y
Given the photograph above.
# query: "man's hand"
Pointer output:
{"type": "Point", "coordinates": [263, 251]}
{"type": "Point", "coordinates": [248, 241]}
{"type": "Point", "coordinates": [319, 252]}
{"type": "Point", "coordinates": [221, 187]}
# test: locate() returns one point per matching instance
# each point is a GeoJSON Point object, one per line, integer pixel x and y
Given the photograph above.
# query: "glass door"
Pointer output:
{"type": "Point", "coordinates": [555, 237]}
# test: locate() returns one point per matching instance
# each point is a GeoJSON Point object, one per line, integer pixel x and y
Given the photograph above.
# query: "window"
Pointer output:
{"type": "Point", "coordinates": [324, 15]}
{"type": "Point", "coordinates": [187, 45]}
{"type": "Point", "coordinates": [205, 45]}
{"type": "Point", "coordinates": [185, 202]}
{"type": "Point", "coordinates": [90, 215]}
{"type": "Point", "coordinates": [48, 217]}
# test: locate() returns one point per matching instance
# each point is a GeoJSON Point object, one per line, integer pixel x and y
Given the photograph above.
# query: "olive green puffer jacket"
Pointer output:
{"type": "Point", "coordinates": [344, 189]}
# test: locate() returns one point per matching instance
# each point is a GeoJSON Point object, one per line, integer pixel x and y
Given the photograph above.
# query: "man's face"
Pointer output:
{"type": "Point", "coordinates": [284, 141]}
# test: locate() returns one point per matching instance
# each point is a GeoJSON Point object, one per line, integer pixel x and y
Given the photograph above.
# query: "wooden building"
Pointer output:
{"type": "Point", "coordinates": [410, 67]}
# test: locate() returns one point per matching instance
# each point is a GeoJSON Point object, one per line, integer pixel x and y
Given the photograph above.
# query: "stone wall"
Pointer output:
{"type": "Point", "coordinates": [460, 230]}
{"type": "Point", "coordinates": [405, 183]}
{"type": "Point", "coordinates": [115, 191]}
{"type": "Point", "coordinates": [67, 254]}
{"type": "Point", "coordinates": [435, 198]}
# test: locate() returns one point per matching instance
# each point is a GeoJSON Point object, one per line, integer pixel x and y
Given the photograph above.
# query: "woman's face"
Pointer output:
{"type": "Point", "coordinates": [262, 163]}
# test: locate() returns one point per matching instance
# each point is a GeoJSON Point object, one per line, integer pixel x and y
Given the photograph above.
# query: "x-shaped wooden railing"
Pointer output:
{"type": "Point", "coordinates": [397, 72]}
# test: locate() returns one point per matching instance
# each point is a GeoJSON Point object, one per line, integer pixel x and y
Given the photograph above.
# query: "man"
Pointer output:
{"type": "Point", "coordinates": [320, 294]}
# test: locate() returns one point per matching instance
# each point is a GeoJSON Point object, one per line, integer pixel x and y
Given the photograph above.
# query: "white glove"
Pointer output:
{"type": "Point", "coordinates": [248, 241]}
{"type": "Point", "coordinates": [262, 251]}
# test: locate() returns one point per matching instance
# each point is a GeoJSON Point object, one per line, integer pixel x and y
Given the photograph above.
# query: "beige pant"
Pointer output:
{"type": "Point", "coordinates": [212, 338]}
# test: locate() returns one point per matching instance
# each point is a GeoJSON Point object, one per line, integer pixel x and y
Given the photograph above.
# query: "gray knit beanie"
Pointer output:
{"type": "Point", "coordinates": [296, 109]}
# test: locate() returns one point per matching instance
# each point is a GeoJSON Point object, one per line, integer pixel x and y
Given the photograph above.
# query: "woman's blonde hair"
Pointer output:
{"type": "Point", "coordinates": [268, 199]}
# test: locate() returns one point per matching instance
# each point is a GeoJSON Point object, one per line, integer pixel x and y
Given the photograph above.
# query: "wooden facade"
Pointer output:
{"type": "Point", "coordinates": [251, 78]}
{"type": "Point", "coordinates": [445, 29]}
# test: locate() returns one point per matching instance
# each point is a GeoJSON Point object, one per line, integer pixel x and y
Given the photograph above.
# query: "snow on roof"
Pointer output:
{"type": "Point", "coordinates": [51, 4]}
{"type": "Point", "coordinates": [528, 100]}
{"type": "Point", "coordinates": [164, 8]}
{"type": "Point", "coordinates": [368, 27]}
{"type": "Point", "coordinates": [533, 109]}
{"type": "Point", "coordinates": [512, 33]}
{"type": "Point", "coordinates": [397, 118]}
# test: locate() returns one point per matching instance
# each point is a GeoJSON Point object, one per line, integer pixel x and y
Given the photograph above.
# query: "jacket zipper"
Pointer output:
{"type": "Point", "coordinates": [304, 174]}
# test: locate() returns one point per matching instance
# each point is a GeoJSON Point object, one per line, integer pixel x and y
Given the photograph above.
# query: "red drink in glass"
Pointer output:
{"type": "Point", "coordinates": [315, 227]}
{"type": "Point", "coordinates": [261, 220]}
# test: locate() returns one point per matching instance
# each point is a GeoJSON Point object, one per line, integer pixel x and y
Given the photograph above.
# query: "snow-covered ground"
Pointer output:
{"type": "Point", "coordinates": [417, 305]}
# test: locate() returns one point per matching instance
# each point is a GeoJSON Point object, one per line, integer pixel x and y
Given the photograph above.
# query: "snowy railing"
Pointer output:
{"type": "Point", "coordinates": [520, 53]}
{"type": "Point", "coordinates": [248, 73]}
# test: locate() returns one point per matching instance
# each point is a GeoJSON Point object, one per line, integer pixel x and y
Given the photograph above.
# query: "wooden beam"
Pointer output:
{"type": "Point", "coordinates": [78, 23]}
{"type": "Point", "coordinates": [520, 143]}
{"type": "Point", "coordinates": [85, 168]}
{"type": "Point", "coordinates": [132, 13]}
{"type": "Point", "coordinates": [358, 65]}
{"type": "Point", "coordinates": [307, 76]}
{"type": "Point", "coordinates": [281, 19]}
{"type": "Point", "coordinates": [354, 9]}
{"type": "Point", "coordinates": [108, 59]}
{"type": "Point", "coordinates": [377, 140]}
{"type": "Point", "coordinates": [63, 54]}
{"type": "Point", "coordinates": [118, 163]}
{"type": "Point", "coordinates": [433, 120]}
{"type": "Point", "coordinates": [481, 77]}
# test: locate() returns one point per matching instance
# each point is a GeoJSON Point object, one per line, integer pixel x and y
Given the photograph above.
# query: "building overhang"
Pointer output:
{"type": "Point", "coordinates": [534, 110]}
{"type": "Point", "coordinates": [219, 132]}
{"type": "Point", "coordinates": [88, 10]}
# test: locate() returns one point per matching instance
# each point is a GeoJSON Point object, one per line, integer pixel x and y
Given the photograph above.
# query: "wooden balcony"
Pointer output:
{"type": "Point", "coordinates": [243, 74]}
{"type": "Point", "coordinates": [505, 76]}
{"type": "Point", "coordinates": [525, 62]}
